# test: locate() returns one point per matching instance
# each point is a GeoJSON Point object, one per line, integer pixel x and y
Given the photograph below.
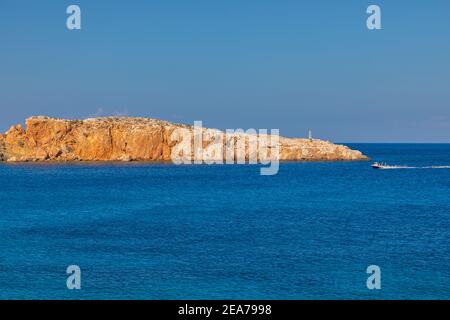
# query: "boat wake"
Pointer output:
{"type": "Point", "coordinates": [377, 165]}
{"type": "Point", "coordinates": [408, 167]}
{"type": "Point", "coordinates": [435, 167]}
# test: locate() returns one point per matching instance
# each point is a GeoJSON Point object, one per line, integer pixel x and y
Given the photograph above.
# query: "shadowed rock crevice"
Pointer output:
{"type": "Point", "coordinates": [129, 139]}
{"type": "Point", "coordinates": [2, 148]}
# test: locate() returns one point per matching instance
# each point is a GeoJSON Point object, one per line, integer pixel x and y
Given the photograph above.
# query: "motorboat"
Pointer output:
{"type": "Point", "coordinates": [381, 165]}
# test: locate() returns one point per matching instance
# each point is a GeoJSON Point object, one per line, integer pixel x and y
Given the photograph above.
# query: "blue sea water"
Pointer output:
{"type": "Point", "coordinates": [160, 231]}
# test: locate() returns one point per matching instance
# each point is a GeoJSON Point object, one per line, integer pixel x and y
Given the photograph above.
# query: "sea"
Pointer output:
{"type": "Point", "coordinates": [165, 231]}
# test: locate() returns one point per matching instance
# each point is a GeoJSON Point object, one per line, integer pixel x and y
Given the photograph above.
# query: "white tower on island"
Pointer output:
{"type": "Point", "coordinates": [310, 135]}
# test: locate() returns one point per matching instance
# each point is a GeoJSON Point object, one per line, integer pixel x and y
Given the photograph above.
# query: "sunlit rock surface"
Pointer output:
{"type": "Point", "coordinates": [129, 139]}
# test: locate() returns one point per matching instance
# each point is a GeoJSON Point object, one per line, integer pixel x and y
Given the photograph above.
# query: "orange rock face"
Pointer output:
{"type": "Point", "coordinates": [129, 139]}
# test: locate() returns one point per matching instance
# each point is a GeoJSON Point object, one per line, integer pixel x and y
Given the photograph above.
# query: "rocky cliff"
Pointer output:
{"type": "Point", "coordinates": [128, 139]}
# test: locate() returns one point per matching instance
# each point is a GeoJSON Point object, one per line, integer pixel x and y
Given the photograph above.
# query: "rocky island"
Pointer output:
{"type": "Point", "coordinates": [129, 139]}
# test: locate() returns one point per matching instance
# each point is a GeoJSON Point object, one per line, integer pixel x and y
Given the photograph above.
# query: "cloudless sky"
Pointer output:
{"type": "Point", "coordinates": [293, 65]}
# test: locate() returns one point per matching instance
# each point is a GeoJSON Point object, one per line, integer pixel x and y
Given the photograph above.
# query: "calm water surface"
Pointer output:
{"type": "Point", "coordinates": [159, 231]}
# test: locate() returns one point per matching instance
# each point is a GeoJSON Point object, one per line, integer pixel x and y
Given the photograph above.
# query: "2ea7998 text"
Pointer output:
{"type": "Point", "coordinates": [236, 309]}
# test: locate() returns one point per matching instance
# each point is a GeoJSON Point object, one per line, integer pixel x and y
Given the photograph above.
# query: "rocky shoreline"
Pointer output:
{"type": "Point", "coordinates": [130, 139]}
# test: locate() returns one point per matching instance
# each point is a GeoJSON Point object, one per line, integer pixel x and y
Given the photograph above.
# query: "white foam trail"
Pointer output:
{"type": "Point", "coordinates": [408, 167]}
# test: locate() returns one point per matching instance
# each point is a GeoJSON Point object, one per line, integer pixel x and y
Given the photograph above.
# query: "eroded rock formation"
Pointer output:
{"type": "Point", "coordinates": [128, 139]}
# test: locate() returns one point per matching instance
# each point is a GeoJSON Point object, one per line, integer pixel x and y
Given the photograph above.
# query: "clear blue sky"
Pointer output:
{"type": "Point", "coordinates": [291, 65]}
